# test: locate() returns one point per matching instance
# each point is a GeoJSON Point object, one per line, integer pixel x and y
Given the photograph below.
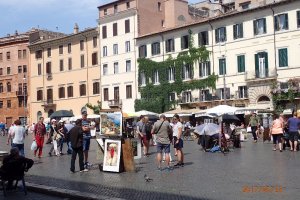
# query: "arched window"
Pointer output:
{"type": "Point", "coordinates": [263, 98]}
{"type": "Point", "coordinates": [8, 85]}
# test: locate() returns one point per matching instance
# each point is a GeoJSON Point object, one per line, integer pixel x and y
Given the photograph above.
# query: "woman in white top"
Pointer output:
{"type": "Point", "coordinates": [17, 135]}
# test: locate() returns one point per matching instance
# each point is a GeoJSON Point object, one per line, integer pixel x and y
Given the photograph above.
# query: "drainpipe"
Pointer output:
{"type": "Point", "coordinates": [135, 56]}
{"type": "Point", "coordinates": [43, 73]}
{"type": "Point", "coordinates": [274, 38]}
{"type": "Point", "coordinates": [100, 53]}
{"type": "Point", "coordinates": [212, 49]}
{"type": "Point", "coordinates": [87, 69]}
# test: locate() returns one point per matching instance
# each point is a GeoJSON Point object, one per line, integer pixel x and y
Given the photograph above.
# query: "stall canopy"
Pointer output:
{"type": "Point", "coordinates": [222, 109]}
{"type": "Point", "coordinates": [145, 112]}
{"type": "Point", "coordinates": [184, 113]}
{"type": "Point", "coordinates": [61, 113]}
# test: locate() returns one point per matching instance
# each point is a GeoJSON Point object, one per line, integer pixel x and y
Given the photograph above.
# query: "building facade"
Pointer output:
{"type": "Point", "coordinates": [250, 51]}
{"type": "Point", "coordinates": [14, 60]}
{"type": "Point", "coordinates": [64, 73]}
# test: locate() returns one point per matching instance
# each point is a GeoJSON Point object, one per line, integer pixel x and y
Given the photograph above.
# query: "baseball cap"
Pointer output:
{"type": "Point", "coordinates": [84, 113]}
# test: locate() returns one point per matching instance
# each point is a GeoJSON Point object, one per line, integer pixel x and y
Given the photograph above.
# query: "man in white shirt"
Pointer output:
{"type": "Point", "coordinates": [177, 140]}
{"type": "Point", "coordinates": [17, 134]}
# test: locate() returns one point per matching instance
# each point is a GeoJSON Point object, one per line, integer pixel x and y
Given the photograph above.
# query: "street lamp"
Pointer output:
{"type": "Point", "coordinates": [24, 93]}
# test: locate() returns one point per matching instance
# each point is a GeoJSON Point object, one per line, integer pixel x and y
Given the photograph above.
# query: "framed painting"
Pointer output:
{"type": "Point", "coordinates": [112, 155]}
{"type": "Point", "coordinates": [136, 148]}
{"type": "Point", "coordinates": [111, 124]}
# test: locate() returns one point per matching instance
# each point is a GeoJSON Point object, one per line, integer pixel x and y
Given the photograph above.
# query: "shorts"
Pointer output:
{"type": "Point", "coordinates": [178, 145]}
{"type": "Point", "coordinates": [277, 138]}
{"type": "Point", "coordinates": [293, 136]}
{"type": "Point", "coordinates": [86, 144]}
{"type": "Point", "coordinates": [162, 147]}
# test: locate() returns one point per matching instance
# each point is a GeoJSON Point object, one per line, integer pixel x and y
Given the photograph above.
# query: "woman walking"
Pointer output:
{"type": "Point", "coordinates": [18, 136]}
{"type": "Point", "coordinates": [277, 132]}
{"type": "Point", "coordinates": [39, 135]}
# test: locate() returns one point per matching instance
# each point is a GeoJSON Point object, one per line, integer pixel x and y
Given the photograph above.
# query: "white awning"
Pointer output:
{"type": "Point", "coordinates": [288, 111]}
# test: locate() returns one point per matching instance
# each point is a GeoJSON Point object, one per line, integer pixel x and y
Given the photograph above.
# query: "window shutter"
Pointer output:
{"type": "Point", "coordinates": [286, 22]}
{"type": "Point", "coordinates": [182, 42]}
{"type": "Point", "coordinates": [191, 71]}
{"type": "Point", "coordinates": [256, 65]}
{"type": "Point", "coordinates": [285, 55]}
{"type": "Point", "coordinates": [152, 48]}
{"type": "Point", "coordinates": [234, 32]}
{"type": "Point", "coordinates": [167, 46]}
{"type": "Point", "coordinates": [217, 36]}
{"type": "Point", "coordinates": [241, 31]}
{"type": "Point", "coordinates": [254, 27]}
{"type": "Point", "coordinates": [158, 48]}
{"type": "Point", "coordinates": [200, 69]}
{"type": "Point", "coordinates": [208, 67]}
{"type": "Point", "coordinates": [225, 36]}
{"type": "Point", "coordinates": [172, 45]}
{"type": "Point", "coordinates": [266, 61]}
{"type": "Point", "coordinates": [200, 39]}
{"type": "Point", "coordinates": [276, 23]}
{"type": "Point", "coordinates": [239, 63]}
{"type": "Point", "coordinates": [243, 63]}
{"type": "Point", "coordinates": [220, 67]}
{"type": "Point", "coordinates": [227, 93]}
{"type": "Point", "coordinates": [145, 50]}
{"type": "Point", "coordinates": [265, 25]}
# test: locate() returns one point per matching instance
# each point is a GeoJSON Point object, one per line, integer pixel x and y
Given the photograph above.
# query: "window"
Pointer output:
{"type": "Point", "coordinates": [96, 88]}
{"type": "Point", "coordinates": [24, 68]}
{"type": "Point", "coordinates": [171, 74]}
{"type": "Point", "coordinates": [115, 49]}
{"type": "Point", "coordinates": [19, 54]}
{"type": "Point", "coordinates": [115, 29]}
{"type": "Point", "coordinates": [49, 52]}
{"type": "Point", "coordinates": [116, 93]}
{"type": "Point", "coordinates": [261, 65]}
{"type": "Point", "coordinates": [8, 86]}
{"type": "Point", "coordinates": [245, 5]}
{"type": "Point", "coordinates": [39, 95]}
{"type": "Point", "coordinates": [220, 34]}
{"type": "Point", "coordinates": [1, 57]}
{"type": "Point", "coordinates": [61, 49]}
{"type": "Point", "coordinates": [95, 58]}
{"type": "Point", "coordinates": [170, 45]}
{"type": "Point", "coordinates": [186, 72]}
{"type": "Point", "coordinates": [155, 77]}
{"type": "Point", "coordinates": [241, 63]}
{"type": "Point", "coordinates": [50, 95]}
{"type": "Point", "coordinates": [1, 104]}
{"type": "Point", "coordinates": [82, 90]}
{"type": "Point", "coordinates": [127, 46]}
{"type": "Point", "coordinates": [104, 32]}
{"type": "Point", "coordinates": [48, 68]}
{"type": "Point", "coordinates": [242, 92]}
{"type": "Point", "coordinates": [82, 61]}
{"type": "Point", "coordinates": [185, 42]}
{"type": "Point", "coordinates": [186, 97]}
{"type": "Point", "coordinates": [142, 78]}
{"type": "Point", "coordinates": [220, 93]}
{"type": "Point", "coordinates": [70, 63]}
{"type": "Point", "coordinates": [8, 55]}
{"type": "Point", "coordinates": [61, 65]}
{"type": "Point", "coordinates": [20, 87]}
{"type": "Point", "coordinates": [81, 44]}
{"type": "Point", "coordinates": [222, 66]}
{"type": "Point", "coordinates": [204, 69]}
{"type": "Point", "coordinates": [105, 94]}
{"type": "Point", "coordinates": [20, 69]}
{"type": "Point", "coordinates": [155, 48]}
{"type": "Point", "coordinates": [69, 48]}
{"type": "Point", "coordinates": [238, 31]}
{"type": "Point", "coordinates": [116, 68]}
{"type": "Point", "coordinates": [128, 91]}
{"type": "Point", "coordinates": [38, 54]}
{"type": "Point", "coordinates": [159, 6]}
{"type": "Point", "coordinates": [95, 42]}
{"type": "Point", "coordinates": [105, 11]}
{"type": "Point", "coordinates": [281, 22]}
{"type": "Point", "coordinates": [298, 20]}
{"type": "Point", "coordinates": [128, 65]}
{"type": "Point", "coordinates": [172, 96]}
{"type": "Point", "coordinates": [127, 26]}
{"type": "Point", "coordinates": [283, 57]}
{"type": "Point", "coordinates": [143, 51]}
{"type": "Point", "coordinates": [127, 5]}
{"type": "Point", "coordinates": [8, 103]}
{"type": "Point", "coordinates": [115, 9]}
{"type": "Point", "coordinates": [105, 69]}
{"type": "Point", "coordinates": [1, 71]}
{"type": "Point", "coordinates": [205, 96]}
{"type": "Point", "coordinates": [70, 91]}
{"type": "Point", "coordinates": [8, 70]}
{"type": "Point", "coordinates": [24, 53]}
{"type": "Point", "coordinates": [104, 51]}
{"type": "Point", "coordinates": [1, 87]}
{"type": "Point", "coordinates": [203, 38]}
{"type": "Point", "coordinates": [39, 69]}
{"type": "Point", "coordinates": [259, 26]}
{"type": "Point", "coordinates": [61, 92]}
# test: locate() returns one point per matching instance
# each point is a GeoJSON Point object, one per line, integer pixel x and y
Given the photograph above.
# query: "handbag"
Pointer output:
{"type": "Point", "coordinates": [33, 146]}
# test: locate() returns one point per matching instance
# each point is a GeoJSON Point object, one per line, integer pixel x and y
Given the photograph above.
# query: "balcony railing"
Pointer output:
{"type": "Point", "coordinates": [261, 74]}
{"type": "Point", "coordinates": [21, 93]}
{"type": "Point", "coordinates": [115, 103]}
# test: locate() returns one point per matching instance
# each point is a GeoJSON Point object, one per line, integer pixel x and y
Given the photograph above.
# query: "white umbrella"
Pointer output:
{"type": "Point", "coordinates": [207, 129]}
{"type": "Point", "coordinates": [93, 116]}
{"type": "Point", "coordinates": [222, 109]}
{"type": "Point", "coordinates": [145, 112]}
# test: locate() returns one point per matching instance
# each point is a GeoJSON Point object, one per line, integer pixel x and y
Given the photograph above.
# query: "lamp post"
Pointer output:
{"type": "Point", "coordinates": [24, 94]}
{"type": "Point", "coordinates": [224, 82]}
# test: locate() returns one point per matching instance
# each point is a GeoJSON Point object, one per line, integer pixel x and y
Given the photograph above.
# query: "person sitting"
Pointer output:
{"type": "Point", "coordinates": [14, 166]}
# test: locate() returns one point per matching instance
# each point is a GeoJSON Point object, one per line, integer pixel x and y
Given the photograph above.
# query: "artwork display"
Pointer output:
{"type": "Point", "coordinates": [111, 124]}
{"type": "Point", "coordinates": [137, 148]}
{"type": "Point", "coordinates": [112, 155]}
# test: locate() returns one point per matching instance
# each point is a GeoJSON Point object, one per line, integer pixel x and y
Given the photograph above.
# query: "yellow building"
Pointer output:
{"type": "Point", "coordinates": [64, 73]}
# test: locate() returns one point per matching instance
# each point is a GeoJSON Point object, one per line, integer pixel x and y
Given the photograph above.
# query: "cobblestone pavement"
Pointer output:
{"type": "Point", "coordinates": [251, 172]}
{"type": "Point", "coordinates": [30, 196]}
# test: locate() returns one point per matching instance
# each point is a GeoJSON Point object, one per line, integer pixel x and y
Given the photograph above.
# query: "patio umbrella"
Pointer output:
{"type": "Point", "coordinates": [230, 118]}
{"type": "Point", "coordinates": [207, 129]}
{"type": "Point", "coordinates": [61, 113]}
{"type": "Point", "coordinates": [145, 112]}
{"type": "Point", "coordinates": [221, 110]}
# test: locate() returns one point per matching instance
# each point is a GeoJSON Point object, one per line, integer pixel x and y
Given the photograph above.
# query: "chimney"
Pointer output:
{"type": "Point", "coordinates": [76, 28]}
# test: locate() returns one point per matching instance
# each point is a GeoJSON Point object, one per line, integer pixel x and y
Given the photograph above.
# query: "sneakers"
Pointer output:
{"type": "Point", "coordinates": [85, 170]}
{"type": "Point", "coordinates": [72, 171]}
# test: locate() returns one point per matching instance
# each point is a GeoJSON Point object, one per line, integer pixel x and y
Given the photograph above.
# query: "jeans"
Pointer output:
{"type": "Point", "coordinates": [253, 129]}
{"type": "Point", "coordinates": [76, 151]}
{"type": "Point", "coordinates": [70, 150]}
{"type": "Point", "coordinates": [62, 140]}
{"type": "Point", "coordinates": [20, 147]}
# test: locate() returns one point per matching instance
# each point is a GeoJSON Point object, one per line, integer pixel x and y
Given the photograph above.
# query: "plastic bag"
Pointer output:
{"type": "Point", "coordinates": [33, 146]}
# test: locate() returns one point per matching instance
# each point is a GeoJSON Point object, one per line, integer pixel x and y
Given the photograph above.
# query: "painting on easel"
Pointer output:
{"type": "Point", "coordinates": [111, 124]}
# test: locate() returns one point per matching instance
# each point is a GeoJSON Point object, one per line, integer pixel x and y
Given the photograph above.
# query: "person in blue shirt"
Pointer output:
{"type": "Point", "coordinates": [293, 124]}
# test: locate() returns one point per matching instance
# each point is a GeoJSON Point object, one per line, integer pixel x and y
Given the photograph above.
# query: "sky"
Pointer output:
{"type": "Point", "coordinates": [54, 15]}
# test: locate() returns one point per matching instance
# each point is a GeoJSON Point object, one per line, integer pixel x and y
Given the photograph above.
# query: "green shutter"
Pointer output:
{"type": "Point", "coordinates": [234, 32]}
{"type": "Point", "coordinates": [182, 43]}
{"type": "Point", "coordinates": [200, 39]}
{"type": "Point", "coordinates": [256, 65]}
{"type": "Point", "coordinates": [243, 63]}
{"type": "Point", "coordinates": [276, 23]}
{"type": "Point", "coordinates": [241, 31]}
{"type": "Point", "coordinates": [224, 66]}
{"type": "Point", "coordinates": [265, 25]}
{"type": "Point", "coordinates": [225, 36]}
{"type": "Point", "coordinates": [208, 65]}
{"type": "Point", "coordinates": [238, 63]}
{"type": "Point", "coordinates": [298, 18]}
{"type": "Point", "coordinates": [266, 62]}
{"type": "Point", "coordinates": [283, 57]}
{"type": "Point", "coordinates": [221, 67]}
{"type": "Point", "coordinates": [217, 35]}
{"type": "Point", "coordinates": [286, 25]}
{"type": "Point", "coordinates": [254, 27]}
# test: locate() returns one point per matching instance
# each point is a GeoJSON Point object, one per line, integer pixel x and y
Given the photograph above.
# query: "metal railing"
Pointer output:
{"type": "Point", "coordinates": [261, 74]}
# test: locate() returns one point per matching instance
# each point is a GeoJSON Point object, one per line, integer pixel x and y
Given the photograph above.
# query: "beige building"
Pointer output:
{"type": "Point", "coordinates": [250, 51]}
{"type": "Point", "coordinates": [120, 22]}
{"type": "Point", "coordinates": [64, 73]}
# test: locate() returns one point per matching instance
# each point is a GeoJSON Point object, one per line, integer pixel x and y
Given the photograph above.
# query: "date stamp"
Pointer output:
{"type": "Point", "coordinates": [262, 189]}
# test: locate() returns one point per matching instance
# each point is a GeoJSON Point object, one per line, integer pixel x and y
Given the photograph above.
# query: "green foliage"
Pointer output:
{"type": "Point", "coordinates": [156, 97]}
{"type": "Point", "coordinates": [96, 108]}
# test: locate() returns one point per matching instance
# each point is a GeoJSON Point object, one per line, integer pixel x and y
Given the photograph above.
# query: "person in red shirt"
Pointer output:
{"type": "Point", "coordinates": [39, 135]}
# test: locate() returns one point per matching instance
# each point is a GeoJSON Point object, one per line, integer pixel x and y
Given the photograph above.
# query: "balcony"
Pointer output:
{"type": "Point", "coordinates": [21, 93]}
{"type": "Point", "coordinates": [259, 75]}
{"type": "Point", "coordinates": [115, 103]}
{"type": "Point", "coordinates": [206, 97]}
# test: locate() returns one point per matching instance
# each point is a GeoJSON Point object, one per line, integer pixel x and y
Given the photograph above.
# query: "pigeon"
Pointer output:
{"type": "Point", "coordinates": [147, 178]}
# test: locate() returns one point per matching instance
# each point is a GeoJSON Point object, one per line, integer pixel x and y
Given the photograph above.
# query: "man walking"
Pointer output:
{"type": "Point", "coordinates": [162, 130]}
{"type": "Point", "coordinates": [293, 124]}
{"type": "Point", "coordinates": [254, 123]}
{"type": "Point", "coordinates": [86, 139]}
{"type": "Point", "coordinates": [39, 134]}
{"type": "Point", "coordinates": [76, 139]}
{"type": "Point", "coordinates": [178, 142]}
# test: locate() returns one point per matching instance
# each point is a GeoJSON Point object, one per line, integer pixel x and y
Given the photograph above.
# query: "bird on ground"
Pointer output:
{"type": "Point", "coordinates": [147, 178]}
